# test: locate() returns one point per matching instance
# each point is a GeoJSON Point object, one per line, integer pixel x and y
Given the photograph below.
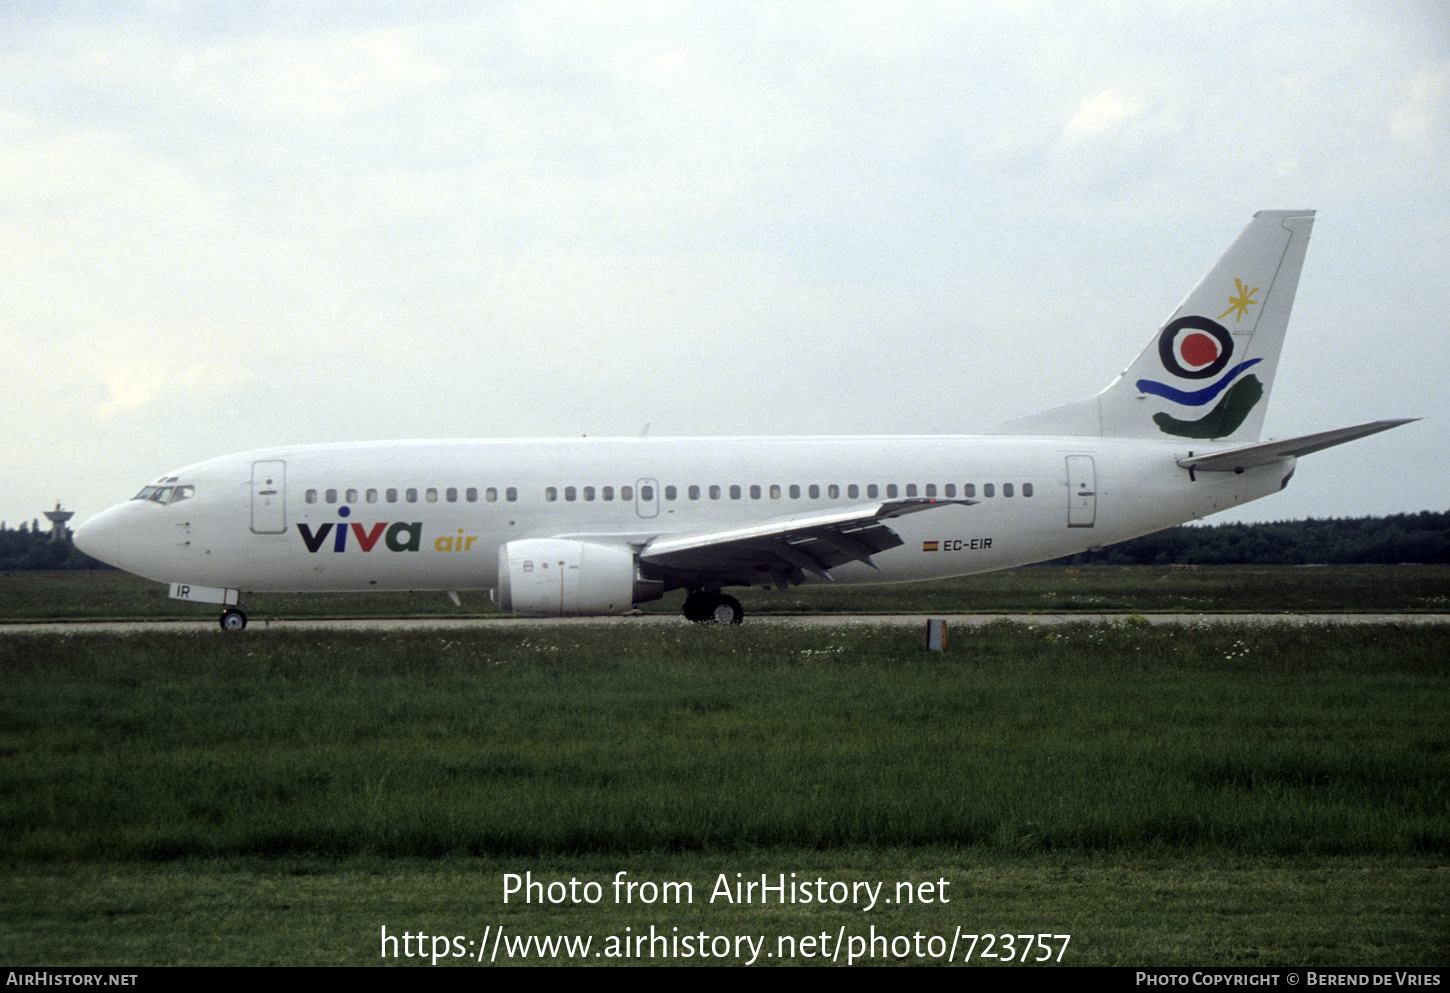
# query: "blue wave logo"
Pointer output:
{"type": "Point", "coordinates": [1195, 398]}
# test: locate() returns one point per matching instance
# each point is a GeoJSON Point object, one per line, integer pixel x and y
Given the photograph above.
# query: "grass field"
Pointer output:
{"type": "Point", "coordinates": [111, 595]}
{"type": "Point", "coordinates": [1197, 794]}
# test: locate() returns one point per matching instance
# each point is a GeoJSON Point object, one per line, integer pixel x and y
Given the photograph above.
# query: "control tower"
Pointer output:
{"type": "Point", "coordinates": [57, 518]}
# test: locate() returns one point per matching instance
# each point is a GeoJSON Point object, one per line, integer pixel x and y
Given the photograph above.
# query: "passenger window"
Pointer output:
{"type": "Point", "coordinates": [714, 493]}
{"type": "Point", "coordinates": [550, 494]}
{"type": "Point", "coordinates": [372, 496]}
{"type": "Point", "coordinates": [891, 489]}
{"type": "Point", "coordinates": [911, 489]}
{"type": "Point", "coordinates": [774, 491]}
{"type": "Point", "coordinates": [735, 492]}
{"type": "Point", "coordinates": [331, 496]}
{"type": "Point", "coordinates": [310, 498]}
{"type": "Point", "coordinates": [647, 493]}
{"type": "Point", "coordinates": [570, 494]}
{"type": "Point", "coordinates": [969, 490]}
{"type": "Point", "coordinates": [815, 492]}
{"type": "Point", "coordinates": [490, 494]}
{"type": "Point", "coordinates": [833, 491]}
{"type": "Point", "coordinates": [795, 491]}
{"type": "Point", "coordinates": [607, 493]}
{"type": "Point", "coordinates": [1027, 489]}
{"type": "Point", "coordinates": [1006, 489]}
{"type": "Point", "coordinates": [951, 490]}
{"type": "Point", "coordinates": [671, 493]}
{"type": "Point", "coordinates": [755, 491]}
{"type": "Point", "coordinates": [452, 494]}
{"type": "Point", "coordinates": [431, 494]}
{"type": "Point", "coordinates": [471, 494]}
{"type": "Point", "coordinates": [412, 495]}
{"type": "Point", "coordinates": [694, 492]}
{"type": "Point", "coordinates": [931, 489]}
{"type": "Point", "coordinates": [626, 493]}
{"type": "Point", "coordinates": [589, 493]}
{"type": "Point", "coordinates": [989, 490]}
{"type": "Point", "coordinates": [512, 494]}
{"type": "Point", "coordinates": [352, 496]}
{"type": "Point", "coordinates": [853, 491]}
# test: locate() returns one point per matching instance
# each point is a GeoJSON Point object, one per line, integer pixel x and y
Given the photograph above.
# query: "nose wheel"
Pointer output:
{"type": "Point", "coordinates": [233, 619]}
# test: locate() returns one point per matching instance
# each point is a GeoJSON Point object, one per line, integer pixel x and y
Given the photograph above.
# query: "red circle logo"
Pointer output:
{"type": "Point", "coordinates": [1197, 350]}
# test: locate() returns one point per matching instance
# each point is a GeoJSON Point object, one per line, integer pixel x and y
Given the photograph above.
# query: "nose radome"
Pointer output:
{"type": "Point", "coordinates": [97, 537]}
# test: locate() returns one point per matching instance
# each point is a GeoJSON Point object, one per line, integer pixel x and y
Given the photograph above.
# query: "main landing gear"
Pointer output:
{"type": "Point", "coordinates": [713, 607]}
{"type": "Point", "coordinates": [233, 619]}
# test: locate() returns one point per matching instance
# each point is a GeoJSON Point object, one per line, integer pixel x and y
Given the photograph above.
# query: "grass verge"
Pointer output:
{"type": "Point", "coordinates": [112, 595]}
{"type": "Point", "coordinates": [1227, 794]}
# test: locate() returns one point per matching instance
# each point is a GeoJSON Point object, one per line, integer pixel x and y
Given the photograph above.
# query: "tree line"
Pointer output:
{"type": "Point", "coordinates": [31, 546]}
{"type": "Point", "coordinates": [1423, 538]}
{"type": "Point", "coordinates": [1420, 538]}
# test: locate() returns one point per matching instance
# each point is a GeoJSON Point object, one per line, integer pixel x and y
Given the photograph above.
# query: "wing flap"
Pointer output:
{"type": "Point", "coordinates": [787, 548]}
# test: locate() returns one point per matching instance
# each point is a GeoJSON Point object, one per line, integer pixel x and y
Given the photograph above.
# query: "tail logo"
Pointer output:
{"type": "Point", "coordinates": [1239, 305]}
{"type": "Point", "coordinates": [1193, 348]}
{"type": "Point", "coordinates": [1197, 348]}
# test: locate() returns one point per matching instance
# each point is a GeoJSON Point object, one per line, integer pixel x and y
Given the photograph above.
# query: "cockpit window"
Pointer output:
{"type": "Point", "coordinates": [165, 494]}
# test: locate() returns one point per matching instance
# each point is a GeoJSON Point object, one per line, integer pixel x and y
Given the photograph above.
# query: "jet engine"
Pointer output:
{"type": "Point", "coordinates": [558, 577]}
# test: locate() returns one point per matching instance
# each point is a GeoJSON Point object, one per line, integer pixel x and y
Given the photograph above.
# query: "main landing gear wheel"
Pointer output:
{"type": "Point", "coordinates": [713, 608]}
{"type": "Point", "coordinates": [233, 619]}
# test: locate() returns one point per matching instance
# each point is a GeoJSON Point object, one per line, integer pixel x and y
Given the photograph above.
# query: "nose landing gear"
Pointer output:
{"type": "Point", "coordinates": [233, 619]}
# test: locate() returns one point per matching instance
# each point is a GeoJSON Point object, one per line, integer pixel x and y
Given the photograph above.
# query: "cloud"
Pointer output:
{"type": "Point", "coordinates": [1102, 115]}
{"type": "Point", "coordinates": [1422, 120]}
{"type": "Point", "coordinates": [314, 221]}
{"type": "Point", "coordinates": [179, 386]}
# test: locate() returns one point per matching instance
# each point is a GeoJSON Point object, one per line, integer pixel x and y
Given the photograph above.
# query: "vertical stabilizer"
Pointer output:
{"type": "Point", "coordinates": [1208, 372]}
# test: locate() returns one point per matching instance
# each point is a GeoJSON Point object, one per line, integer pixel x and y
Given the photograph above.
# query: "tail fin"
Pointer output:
{"type": "Point", "coordinates": [1209, 370]}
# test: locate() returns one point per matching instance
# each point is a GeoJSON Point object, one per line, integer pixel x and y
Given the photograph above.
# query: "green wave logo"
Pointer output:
{"type": "Point", "coordinates": [1224, 419]}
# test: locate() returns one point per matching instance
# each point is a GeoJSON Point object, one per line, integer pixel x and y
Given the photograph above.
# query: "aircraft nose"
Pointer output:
{"type": "Point", "coordinates": [99, 537]}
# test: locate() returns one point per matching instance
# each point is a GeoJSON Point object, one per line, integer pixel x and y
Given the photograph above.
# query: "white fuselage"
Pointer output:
{"type": "Point", "coordinates": [590, 527]}
{"type": "Point", "coordinates": [432, 515]}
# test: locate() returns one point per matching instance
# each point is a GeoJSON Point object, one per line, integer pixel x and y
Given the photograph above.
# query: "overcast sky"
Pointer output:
{"type": "Point", "coordinates": [232, 225]}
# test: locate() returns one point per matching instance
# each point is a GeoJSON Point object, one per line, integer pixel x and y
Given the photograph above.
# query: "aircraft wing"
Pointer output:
{"type": "Point", "coordinates": [782, 551]}
{"type": "Point", "coordinates": [1240, 459]}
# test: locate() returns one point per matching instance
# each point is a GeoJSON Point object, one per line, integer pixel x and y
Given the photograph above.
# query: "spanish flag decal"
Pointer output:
{"type": "Point", "coordinates": [930, 546]}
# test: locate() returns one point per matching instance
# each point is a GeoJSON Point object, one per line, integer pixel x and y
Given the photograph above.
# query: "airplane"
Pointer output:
{"type": "Point", "coordinates": [587, 527]}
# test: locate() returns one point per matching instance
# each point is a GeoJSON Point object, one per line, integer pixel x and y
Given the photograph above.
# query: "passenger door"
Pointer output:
{"type": "Point", "coordinates": [269, 497]}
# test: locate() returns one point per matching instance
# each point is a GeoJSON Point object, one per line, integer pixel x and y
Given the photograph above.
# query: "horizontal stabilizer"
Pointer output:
{"type": "Point", "coordinates": [1240, 459]}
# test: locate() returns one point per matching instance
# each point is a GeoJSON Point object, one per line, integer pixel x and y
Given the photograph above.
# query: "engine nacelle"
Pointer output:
{"type": "Point", "coordinates": [557, 577]}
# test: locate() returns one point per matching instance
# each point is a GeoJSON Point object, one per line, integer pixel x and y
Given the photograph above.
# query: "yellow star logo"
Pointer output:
{"type": "Point", "coordinates": [1239, 305]}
